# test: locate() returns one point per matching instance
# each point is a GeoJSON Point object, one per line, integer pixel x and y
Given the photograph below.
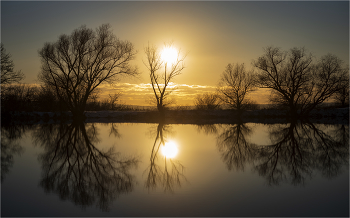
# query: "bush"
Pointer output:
{"type": "Point", "coordinates": [207, 101]}
{"type": "Point", "coordinates": [18, 97]}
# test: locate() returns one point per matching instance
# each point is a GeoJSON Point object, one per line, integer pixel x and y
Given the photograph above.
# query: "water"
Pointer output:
{"type": "Point", "coordinates": [135, 169]}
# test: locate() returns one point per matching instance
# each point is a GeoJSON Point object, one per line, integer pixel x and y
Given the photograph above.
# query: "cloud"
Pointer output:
{"type": "Point", "coordinates": [140, 94]}
{"type": "Point", "coordinates": [183, 94]}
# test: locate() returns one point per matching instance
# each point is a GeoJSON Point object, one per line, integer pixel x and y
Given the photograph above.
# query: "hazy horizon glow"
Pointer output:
{"type": "Point", "coordinates": [142, 93]}
{"type": "Point", "coordinates": [212, 34]}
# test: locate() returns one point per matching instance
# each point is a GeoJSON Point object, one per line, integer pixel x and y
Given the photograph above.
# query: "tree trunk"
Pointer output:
{"type": "Point", "coordinates": [161, 110]}
{"type": "Point", "coordinates": [78, 114]}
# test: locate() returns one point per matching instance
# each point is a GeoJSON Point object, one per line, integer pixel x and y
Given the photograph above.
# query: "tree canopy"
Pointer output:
{"type": "Point", "coordinates": [76, 64]}
{"type": "Point", "coordinates": [298, 82]}
{"type": "Point", "coordinates": [8, 75]}
{"type": "Point", "coordinates": [235, 84]}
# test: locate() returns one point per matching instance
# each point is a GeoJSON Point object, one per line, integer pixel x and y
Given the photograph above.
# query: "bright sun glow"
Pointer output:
{"type": "Point", "coordinates": [169, 54]}
{"type": "Point", "coordinates": [169, 150]}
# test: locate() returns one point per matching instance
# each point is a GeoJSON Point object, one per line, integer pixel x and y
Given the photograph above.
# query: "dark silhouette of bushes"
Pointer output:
{"type": "Point", "coordinates": [29, 98]}
{"type": "Point", "coordinates": [207, 101]}
{"type": "Point", "coordinates": [19, 97]}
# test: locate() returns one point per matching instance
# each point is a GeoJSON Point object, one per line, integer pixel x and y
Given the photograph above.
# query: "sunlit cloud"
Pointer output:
{"type": "Point", "coordinates": [142, 93]}
{"type": "Point", "coordinates": [183, 94]}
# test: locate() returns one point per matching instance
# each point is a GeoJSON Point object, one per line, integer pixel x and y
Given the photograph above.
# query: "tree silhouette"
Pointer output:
{"type": "Point", "coordinates": [342, 94]}
{"type": "Point", "coordinates": [171, 174]}
{"type": "Point", "coordinates": [18, 97]}
{"type": "Point", "coordinates": [235, 84]}
{"type": "Point", "coordinates": [8, 75]}
{"type": "Point", "coordinates": [295, 81]}
{"type": "Point", "coordinates": [161, 74]}
{"type": "Point", "coordinates": [77, 64]}
{"type": "Point", "coordinates": [75, 169]}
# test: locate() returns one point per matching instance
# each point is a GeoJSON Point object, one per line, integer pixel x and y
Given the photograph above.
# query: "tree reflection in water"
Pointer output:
{"type": "Point", "coordinates": [332, 149]}
{"type": "Point", "coordinates": [10, 134]}
{"type": "Point", "coordinates": [77, 170]}
{"type": "Point", "coordinates": [297, 150]}
{"type": "Point", "coordinates": [235, 149]}
{"type": "Point", "coordinates": [170, 175]}
{"type": "Point", "coordinates": [208, 129]}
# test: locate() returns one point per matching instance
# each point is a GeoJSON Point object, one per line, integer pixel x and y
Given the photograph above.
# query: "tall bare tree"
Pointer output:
{"type": "Point", "coordinates": [161, 74]}
{"type": "Point", "coordinates": [8, 75]}
{"type": "Point", "coordinates": [235, 85]}
{"type": "Point", "coordinates": [78, 63]}
{"type": "Point", "coordinates": [296, 82]}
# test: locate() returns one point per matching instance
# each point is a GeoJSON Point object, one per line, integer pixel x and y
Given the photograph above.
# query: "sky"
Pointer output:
{"type": "Point", "coordinates": [213, 34]}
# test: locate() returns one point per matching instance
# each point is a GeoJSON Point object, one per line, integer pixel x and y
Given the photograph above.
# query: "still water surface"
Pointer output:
{"type": "Point", "coordinates": [133, 169]}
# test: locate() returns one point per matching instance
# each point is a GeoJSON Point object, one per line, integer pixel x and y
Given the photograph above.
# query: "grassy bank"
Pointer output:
{"type": "Point", "coordinates": [325, 115]}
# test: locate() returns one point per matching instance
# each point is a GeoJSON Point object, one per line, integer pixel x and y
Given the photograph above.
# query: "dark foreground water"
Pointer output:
{"type": "Point", "coordinates": [126, 169]}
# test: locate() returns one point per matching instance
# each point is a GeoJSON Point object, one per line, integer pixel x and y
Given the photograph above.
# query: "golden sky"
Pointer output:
{"type": "Point", "coordinates": [213, 33]}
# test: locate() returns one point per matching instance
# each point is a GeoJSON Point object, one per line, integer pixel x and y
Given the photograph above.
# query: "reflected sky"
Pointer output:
{"type": "Point", "coordinates": [119, 169]}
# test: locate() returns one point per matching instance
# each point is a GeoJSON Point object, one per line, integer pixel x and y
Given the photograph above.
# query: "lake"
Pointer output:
{"type": "Point", "coordinates": [158, 169]}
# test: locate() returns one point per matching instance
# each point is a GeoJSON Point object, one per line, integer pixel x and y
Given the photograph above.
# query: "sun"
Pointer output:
{"type": "Point", "coordinates": [169, 149]}
{"type": "Point", "coordinates": [169, 54]}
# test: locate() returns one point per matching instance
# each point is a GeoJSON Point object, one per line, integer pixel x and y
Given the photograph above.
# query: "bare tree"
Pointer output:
{"type": "Point", "coordinates": [78, 63]}
{"type": "Point", "coordinates": [112, 100]}
{"type": "Point", "coordinates": [342, 95]}
{"type": "Point", "coordinates": [235, 84]}
{"type": "Point", "coordinates": [161, 74]}
{"type": "Point", "coordinates": [8, 75]}
{"type": "Point", "coordinates": [207, 101]}
{"type": "Point", "coordinates": [296, 82]}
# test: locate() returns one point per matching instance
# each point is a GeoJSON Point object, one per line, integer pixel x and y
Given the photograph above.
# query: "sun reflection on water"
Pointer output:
{"type": "Point", "coordinates": [169, 149]}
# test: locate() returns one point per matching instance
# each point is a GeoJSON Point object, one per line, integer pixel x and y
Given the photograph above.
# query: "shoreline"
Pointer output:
{"type": "Point", "coordinates": [269, 116]}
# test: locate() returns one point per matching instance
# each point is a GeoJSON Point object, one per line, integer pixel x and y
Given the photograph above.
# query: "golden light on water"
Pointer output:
{"type": "Point", "coordinates": [169, 149]}
{"type": "Point", "coordinates": [169, 54]}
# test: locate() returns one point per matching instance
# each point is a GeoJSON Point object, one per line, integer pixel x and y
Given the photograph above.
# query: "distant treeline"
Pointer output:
{"type": "Point", "coordinates": [24, 97]}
